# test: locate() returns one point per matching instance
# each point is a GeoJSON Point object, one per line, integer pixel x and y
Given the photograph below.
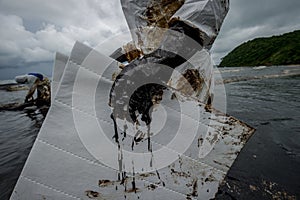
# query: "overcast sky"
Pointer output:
{"type": "Point", "coordinates": [32, 30]}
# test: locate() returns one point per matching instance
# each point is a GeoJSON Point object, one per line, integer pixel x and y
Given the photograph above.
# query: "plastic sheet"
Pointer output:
{"type": "Point", "coordinates": [149, 19]}
{"type": "Point", "coordinates": [146, 131]}
{"type": "Point", "coordinates": [75, 156]}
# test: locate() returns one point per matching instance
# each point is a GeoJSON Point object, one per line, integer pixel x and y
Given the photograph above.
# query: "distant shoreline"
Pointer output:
{"type": "Point", "coordinates": [292, 65]}
{"type": "Point", "coordinates": [274, 50]}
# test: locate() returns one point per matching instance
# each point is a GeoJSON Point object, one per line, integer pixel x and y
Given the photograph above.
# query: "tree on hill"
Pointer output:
{"type": "Point", "coordinates": [276, 50]}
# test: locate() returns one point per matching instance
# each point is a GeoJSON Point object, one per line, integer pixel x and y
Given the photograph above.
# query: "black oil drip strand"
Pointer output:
{"type": "Point", "coordinates": [149, 139]}
{"type": "Point", "coordinates": [195, 187]}
{"type": "Point", "coordinates": [121, 174]}
{"type": "Point", "coordinates": [116, 135]}
{"type": "Point", "coordinates": [158, 176]}
{"type": "Point", "coordinates": [120, 161]}
{"type": "Point", "coordinates": [123, 181]}
{"type": "Point", "coordinates": [150, 146]}
{"type": "Point", "coordinates": [133, 179]}
{"type": "Point", "coordinates": [125, 132]}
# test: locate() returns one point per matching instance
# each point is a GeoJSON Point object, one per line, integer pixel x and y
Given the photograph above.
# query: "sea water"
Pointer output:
{"type": "Point", "coordinates": [268, 165]}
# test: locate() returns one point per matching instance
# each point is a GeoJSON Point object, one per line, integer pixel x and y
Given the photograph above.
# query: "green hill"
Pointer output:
{"type": "Point", "coordinates": [276, 50]}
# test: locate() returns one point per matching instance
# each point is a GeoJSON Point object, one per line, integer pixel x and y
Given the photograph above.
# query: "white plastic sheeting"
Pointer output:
{"type": "Point", "coordinates": [70, 159]}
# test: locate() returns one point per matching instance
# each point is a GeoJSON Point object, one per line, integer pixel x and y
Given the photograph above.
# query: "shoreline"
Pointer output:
{"type": "Point", "coordinates": [292, 65]}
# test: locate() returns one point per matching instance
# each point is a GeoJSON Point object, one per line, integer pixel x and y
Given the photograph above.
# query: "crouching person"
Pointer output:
{"type": "Point", "coordinates": [36, 82]}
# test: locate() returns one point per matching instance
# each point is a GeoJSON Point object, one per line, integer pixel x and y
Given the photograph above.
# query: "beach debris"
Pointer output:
{"type": "Point", "coordinates": [151, 187]}
{"type": "Point", "coordinates": [92, 194]}
{"type": "Point", "coordinates": [105, 183]}
{"type": "Point", "coordinates": [13, 88]}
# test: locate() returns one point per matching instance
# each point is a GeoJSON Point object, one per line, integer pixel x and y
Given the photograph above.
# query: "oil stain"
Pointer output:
{"type": "Point", "coordinates": [92, 194]}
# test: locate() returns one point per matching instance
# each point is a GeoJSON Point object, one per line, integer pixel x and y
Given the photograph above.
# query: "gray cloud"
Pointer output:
{"type": "Point", "coordinates": [32, 30]}
{"type": "Point", "coordinates": [247, 20]}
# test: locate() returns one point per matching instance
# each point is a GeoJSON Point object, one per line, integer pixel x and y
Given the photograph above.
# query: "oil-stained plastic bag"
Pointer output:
{"type": "Point", "coordinates": [148, 19]}
{"type": "Point", "coordinates": [177, 34]}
